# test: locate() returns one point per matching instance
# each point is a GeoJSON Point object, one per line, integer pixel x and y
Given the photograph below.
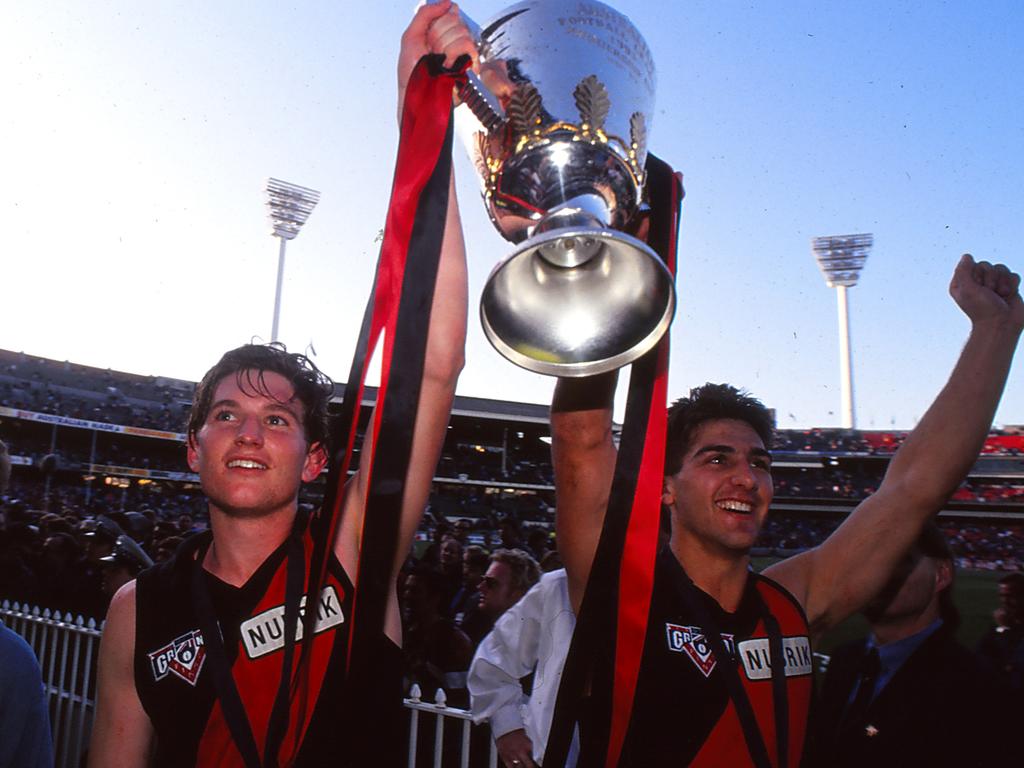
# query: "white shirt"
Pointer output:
{"type": "Point", "coordinates": [535, 632]}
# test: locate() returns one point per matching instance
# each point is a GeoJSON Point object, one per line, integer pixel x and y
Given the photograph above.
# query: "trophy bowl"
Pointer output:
{"type": "Point", "coordinates": [563, 104]}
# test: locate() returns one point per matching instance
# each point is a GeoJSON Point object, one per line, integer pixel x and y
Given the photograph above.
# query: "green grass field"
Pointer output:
{"type": "Point", "coordinates": [974, 592]}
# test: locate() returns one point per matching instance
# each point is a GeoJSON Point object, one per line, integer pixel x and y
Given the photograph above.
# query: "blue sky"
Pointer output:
{"type": "Point", "coordinates": [137, 138]}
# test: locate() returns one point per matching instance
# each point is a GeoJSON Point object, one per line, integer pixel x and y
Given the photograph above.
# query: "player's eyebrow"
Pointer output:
{"type": "Point", "coordinates": [721, 448]}
{"type": "Point", "coordinates": [714, 449]}
{"type": "Point", "coordinates": [272, 405]}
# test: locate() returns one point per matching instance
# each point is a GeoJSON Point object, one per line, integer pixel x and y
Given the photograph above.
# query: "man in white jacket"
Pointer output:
{"type": "Point", "coordinates": [531, 636]}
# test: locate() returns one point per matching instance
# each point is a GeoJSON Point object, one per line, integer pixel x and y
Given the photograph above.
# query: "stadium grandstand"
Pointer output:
{"type": "Point", "coordinates": [86, 441]}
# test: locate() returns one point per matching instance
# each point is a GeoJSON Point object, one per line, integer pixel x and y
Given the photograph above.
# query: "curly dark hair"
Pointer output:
{"type": "Point", "coordinates": [249, 363]}
{"type": "Point", "coordinates": [707, 403]}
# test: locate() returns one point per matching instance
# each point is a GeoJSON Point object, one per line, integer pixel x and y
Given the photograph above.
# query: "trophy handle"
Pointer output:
{"type": "Point", "coordinates": [474, 94]}
{"type": "Point", "coordinates": [482, 102]}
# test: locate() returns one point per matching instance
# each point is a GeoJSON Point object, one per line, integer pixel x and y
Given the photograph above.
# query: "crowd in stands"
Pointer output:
{"type": "Point", "coordinates": [77, 391]}
{"type": "Point", "coordinates": [35, 511]}
{"type": "Point", "coordinates": [879, 443]}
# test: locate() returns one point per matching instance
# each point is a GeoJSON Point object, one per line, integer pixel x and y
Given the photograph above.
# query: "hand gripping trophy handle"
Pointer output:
{"type": "Point", "coordinates": [564, 103]}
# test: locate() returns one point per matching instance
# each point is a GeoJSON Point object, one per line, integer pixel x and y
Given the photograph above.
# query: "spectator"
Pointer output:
{"type": "Point", "coordinates": [532, 636]}
{"type": "Point", "coordinates": [124, 563]}
{"type": "Point", "coordinates": [437, 652]}
{"type": "Point", "coordinates": [24, 721]}
{"type": "Point", "coordinates": [465, 606]}
{"type": "Point", "coordinates": [451, 567]}
{"type": "Point", "coordinates": [511, 534]}
{"type": "Point", "coordinates": [1002, 647]}
{"type": "Point", "coordinates": [537, 543]}
{"type": "Point", "coordinates": [511, 574]}
{"type": "Point", "coordinates": [909, 694]}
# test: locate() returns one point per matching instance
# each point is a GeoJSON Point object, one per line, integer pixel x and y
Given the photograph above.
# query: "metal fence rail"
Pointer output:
{"type": "Point", "coordinates": [66, 647]}
{"type": "Point", "coordinates": [446, 720]}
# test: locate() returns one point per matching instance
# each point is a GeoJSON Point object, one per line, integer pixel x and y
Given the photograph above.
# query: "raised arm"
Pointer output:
{"type": "Point", "coordinates": [122, 733]}
{"type": "Point", "coordinates": [434, 29]}
{"type": "Point", "coordinates": [838, 577]}
{"type": "Point", "coordinates": [583, 456]}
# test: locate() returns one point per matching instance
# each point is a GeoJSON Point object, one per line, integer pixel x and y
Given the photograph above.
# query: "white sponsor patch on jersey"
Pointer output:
{"type": "Point", "coordinates": [756, 657]}
{"type": "Point", "coordinates": [691, 641]}
{"type": "Point", "coordinates": [264, 632]}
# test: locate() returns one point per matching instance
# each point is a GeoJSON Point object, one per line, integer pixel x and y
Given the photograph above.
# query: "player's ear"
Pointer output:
{"type": "Point", "coordinates": [316, 460]}
{"type": "Point", "coordinates": [943, 575]}
{"type": "Point", "coordinates": [668, 493]}
{"type": "Point", "coordinates": [192, 453]}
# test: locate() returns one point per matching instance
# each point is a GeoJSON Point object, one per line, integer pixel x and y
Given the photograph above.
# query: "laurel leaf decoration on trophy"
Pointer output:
{"type": "Point", "coordinates": [524, 108]}
{"type": "Point", "coordinates": [637, 134]}
{"type": "Point", "coordinates": [480, 156]}
{"type": "Point", "coordinates": [592, 102]}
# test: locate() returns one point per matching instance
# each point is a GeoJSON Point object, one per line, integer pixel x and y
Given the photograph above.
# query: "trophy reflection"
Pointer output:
{"type": "Point", "coordinates": [563, 111]}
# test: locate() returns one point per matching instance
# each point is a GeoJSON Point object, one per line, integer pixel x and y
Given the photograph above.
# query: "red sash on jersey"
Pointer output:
{"type": "Point", "coordinates": [400, 308]}
{"type": "Point", "coordinates": [727, 744]}
{"type": "Point", "coordinates": [254, 680]}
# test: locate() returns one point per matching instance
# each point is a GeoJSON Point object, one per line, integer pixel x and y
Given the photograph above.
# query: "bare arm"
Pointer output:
{"type": "Point", "coordinates": [583, 456]}
{"type": "Point", "coordinates": [122, 733]}
{"type": "Point", "coordinates": [838, 577]}
{"type": "Point", "coordinates": [434, 29]}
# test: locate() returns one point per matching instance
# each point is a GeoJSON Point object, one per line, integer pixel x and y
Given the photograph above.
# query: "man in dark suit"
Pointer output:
{"type": "Point", "coordinates": [909, 694]}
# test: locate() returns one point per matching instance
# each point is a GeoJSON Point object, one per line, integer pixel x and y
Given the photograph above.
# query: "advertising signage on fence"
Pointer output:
{"type": "Point", "coordinates": [99, 426]}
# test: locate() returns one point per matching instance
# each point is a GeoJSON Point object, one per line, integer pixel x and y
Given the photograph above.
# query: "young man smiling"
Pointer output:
{"type": "Point", "coordinates": [174, 688]}
{"type": "Point", "coordinates": [707, 607]}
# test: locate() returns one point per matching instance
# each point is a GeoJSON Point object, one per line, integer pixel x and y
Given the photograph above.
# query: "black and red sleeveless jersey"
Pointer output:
{"type": "Point", "coordinates": [682, 714]}
{"type": "Point", "coordinates": [176, 688]}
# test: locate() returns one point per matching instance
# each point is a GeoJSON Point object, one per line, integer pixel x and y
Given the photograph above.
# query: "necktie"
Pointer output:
{"type": "Point", "coordinates": [870, 666]}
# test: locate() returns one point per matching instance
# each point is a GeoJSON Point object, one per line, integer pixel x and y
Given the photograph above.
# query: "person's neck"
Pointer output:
{"type": "Point", "coordinates": [240, 545]}
{"type": "Point", "coordinates": [889, 630]}
{"type": "Point", "coordinates": [722, 575]}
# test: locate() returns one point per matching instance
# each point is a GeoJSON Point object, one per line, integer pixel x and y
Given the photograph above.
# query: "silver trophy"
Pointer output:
{"type": "Point", "coordinates": [564, 104]}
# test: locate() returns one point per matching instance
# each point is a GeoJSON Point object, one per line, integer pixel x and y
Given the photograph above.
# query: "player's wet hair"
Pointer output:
{"type": "Point", "coordinates": [711, 402]}
{"type": "Point", "coordinates": [249, 364]}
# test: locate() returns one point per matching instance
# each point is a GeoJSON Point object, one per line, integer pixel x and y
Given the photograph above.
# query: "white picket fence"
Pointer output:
{"type": "Point", "coordinates": [67, 648]}
{"type": "Point", "coordinates": [441, 716]}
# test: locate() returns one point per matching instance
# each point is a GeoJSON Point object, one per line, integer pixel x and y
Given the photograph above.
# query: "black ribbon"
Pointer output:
{"type": "Point", "coordinates": [590, 662]}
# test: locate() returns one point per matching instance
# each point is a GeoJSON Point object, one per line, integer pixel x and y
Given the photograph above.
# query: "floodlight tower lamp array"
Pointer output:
{"type": "Point", "coordinates": [841, 258]}
{"type": "Point", "coordinates": [289, 207]}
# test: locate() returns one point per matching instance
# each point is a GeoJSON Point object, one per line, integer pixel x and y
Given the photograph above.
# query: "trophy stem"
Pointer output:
{"type": "Point", "coordinates": [586, 212]}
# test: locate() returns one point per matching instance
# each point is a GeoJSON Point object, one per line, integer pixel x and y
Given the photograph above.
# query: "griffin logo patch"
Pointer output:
{"type": "Point", "coordinates": [183, 656]}
{"type": "Point", "coordinates": [691, 641]}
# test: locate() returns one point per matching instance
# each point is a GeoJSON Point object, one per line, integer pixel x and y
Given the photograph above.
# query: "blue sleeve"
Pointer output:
{"type": "Point", "coordinates": [24, 721]}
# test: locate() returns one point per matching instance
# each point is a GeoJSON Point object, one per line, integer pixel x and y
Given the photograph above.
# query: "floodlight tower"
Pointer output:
{"type": "Point", "coordinates": [289, 206]}
{"type": "Point", "coordinates": [841, 258]}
